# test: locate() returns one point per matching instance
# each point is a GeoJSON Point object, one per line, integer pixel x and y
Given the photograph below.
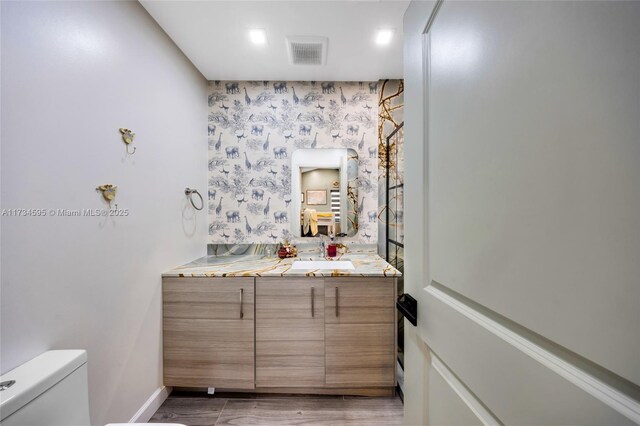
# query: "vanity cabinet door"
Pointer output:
{"type": "Point", "coordinates": [360, 332]}
{"type": "Point", "coordinates": [290, 332]}
{"type": "Point", "coordinates": [208, 332]}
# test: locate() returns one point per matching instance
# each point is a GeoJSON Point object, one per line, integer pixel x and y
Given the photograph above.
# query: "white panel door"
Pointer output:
{"type": "Point", "coordinates": [526, 253]}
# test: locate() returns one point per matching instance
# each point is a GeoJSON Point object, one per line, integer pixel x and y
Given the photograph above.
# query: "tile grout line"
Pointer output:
{"type": "Point", "coordinates": [220, 414]}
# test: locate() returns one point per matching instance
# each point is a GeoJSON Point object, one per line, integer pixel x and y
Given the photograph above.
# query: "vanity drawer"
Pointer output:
{"type": "Point", "coordinates": [360, 355]}
{"type": "Point", "coordinates": [359, 300]}
{"type": "Point", "coordinates": [208, 298]}
{"type": "Point", "coordinates": [208, 353]}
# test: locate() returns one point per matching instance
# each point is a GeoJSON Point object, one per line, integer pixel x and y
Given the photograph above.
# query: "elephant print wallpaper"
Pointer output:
{"type": "Point", "coordinates": [255, 126]}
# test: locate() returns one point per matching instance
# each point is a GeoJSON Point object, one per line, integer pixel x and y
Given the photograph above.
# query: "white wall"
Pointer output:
{"type": "Point", "coordinates": [72, 74]}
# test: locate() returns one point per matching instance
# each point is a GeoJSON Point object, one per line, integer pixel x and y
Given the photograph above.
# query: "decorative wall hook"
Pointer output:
{"type": "Point", "coordinates": [108, 191]}
{"type": "Point", "coordinates": [127, 137]}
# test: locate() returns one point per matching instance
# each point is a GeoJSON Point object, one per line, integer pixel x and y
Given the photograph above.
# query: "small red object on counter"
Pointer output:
{"type": "Point", "coordinates": [332, 250]}
{"type": "Point", "coordinates": [283, 253]}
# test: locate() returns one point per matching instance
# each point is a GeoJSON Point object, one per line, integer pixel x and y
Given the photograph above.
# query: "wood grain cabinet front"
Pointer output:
{"type": "Point", "coordinates": [360, 332]}
{"type": "Point", "coordinates": [281, 334]}
{"type": "Point", "coordinates": [290, 332]}
{"type": "Point", "coordinates": [208, 336]}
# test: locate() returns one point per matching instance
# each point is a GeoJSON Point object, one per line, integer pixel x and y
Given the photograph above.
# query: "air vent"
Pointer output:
{"type": "Point", "coordinates": [307, 50]}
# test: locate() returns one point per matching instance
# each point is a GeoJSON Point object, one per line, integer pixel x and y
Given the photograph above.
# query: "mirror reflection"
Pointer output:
{"type": "Point", "coordinates": [325, 194]}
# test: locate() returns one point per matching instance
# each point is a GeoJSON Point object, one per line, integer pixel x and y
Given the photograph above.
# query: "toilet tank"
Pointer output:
{"type": "Point", "coordinates": [51, 389]}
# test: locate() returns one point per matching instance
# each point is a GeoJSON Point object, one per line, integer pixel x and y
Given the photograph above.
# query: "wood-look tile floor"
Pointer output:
{"type": "Point", "coordinates": [197, 409]}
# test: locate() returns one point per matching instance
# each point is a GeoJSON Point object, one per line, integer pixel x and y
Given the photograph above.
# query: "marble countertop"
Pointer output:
{"type": "Point", "coordinates": [366, 265]}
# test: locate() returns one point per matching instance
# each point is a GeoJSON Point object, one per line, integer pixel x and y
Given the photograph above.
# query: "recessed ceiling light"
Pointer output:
{"type": "Point", "coordinates": [384, 36]}
{"type": "Point", "coordinates": [258, 36]}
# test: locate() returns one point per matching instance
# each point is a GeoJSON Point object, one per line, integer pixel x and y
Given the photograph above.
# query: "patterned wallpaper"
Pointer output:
{"type": "Point", "coordinates": [254, 127]}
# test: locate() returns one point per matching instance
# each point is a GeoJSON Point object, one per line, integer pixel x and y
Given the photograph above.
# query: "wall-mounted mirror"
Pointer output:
{"type": "Point", "coordinates": [324, 184]}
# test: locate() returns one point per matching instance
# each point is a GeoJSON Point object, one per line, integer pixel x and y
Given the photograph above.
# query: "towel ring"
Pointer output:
{"type": "Point", "coordinates": [189, 193]}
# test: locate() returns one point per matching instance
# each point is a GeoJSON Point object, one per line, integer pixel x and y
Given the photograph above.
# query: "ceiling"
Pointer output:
{"type": "Point", "coordinates": [214, 36]}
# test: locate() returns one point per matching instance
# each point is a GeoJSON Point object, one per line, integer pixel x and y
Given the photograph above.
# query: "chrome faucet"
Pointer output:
{"type": "Point", "coordinates": [323, 250]}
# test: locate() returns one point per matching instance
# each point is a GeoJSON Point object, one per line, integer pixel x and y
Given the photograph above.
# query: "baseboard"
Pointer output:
{"type": "Point", "coordinates": [368, 391]}
{"type": "Point", "coordinates": [151, 405]}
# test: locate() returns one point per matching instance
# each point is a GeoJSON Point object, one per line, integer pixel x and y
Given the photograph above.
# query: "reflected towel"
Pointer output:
{"type": "Point", "coordinates": [310, 221]}
{"type": "Point", "coordinates": [325, 214]}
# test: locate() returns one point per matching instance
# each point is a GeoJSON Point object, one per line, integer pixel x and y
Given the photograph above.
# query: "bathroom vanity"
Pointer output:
{"type": "Point", "coordinates": [242, 323]}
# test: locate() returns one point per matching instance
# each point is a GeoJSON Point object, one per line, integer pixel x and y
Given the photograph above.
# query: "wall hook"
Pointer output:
{"type": "Point", "coordinates": [108, 192]}
{"type": "Point", "coordinates": [127, 137]}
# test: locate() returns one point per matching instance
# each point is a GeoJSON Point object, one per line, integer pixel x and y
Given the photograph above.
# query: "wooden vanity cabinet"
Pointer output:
{"type": "Point", "coordinates": [332, 335]}
{"type": "Point", "coordinates": [208, 336]}
{"type": "Point", "coordinates": [360, 329]}
{"type": "Point", "coordinates": [290, 332]}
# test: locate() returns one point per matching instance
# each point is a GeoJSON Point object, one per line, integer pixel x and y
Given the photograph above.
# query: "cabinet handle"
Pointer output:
{"type": "Point", "coordinates": [241, 294]}
{"type": "Point", "coordinates": [337, 310]}
{"type": "Point", "coordinates": [312, 303]}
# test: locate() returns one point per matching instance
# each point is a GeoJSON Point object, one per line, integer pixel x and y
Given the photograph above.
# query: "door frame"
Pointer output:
{"type": "Point", "coordinates": [417, 20]}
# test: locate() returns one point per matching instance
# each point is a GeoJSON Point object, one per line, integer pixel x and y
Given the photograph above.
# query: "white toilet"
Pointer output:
{"type": "Point", "coordinates": [51, 389]}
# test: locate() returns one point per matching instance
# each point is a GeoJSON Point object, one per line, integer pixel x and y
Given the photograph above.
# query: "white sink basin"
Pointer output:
{"type": "Point", "coordinates": [323, 264]}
